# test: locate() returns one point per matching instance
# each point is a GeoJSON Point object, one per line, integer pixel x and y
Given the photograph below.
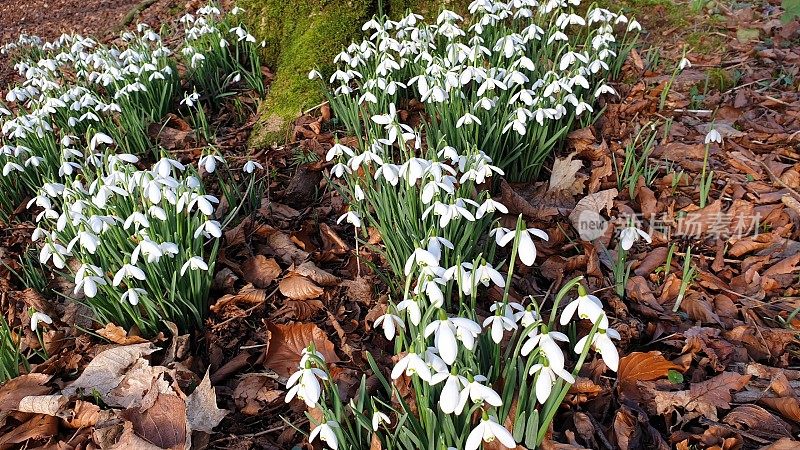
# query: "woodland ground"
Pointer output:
{"type": "Point", "coordinates": [722, 372]}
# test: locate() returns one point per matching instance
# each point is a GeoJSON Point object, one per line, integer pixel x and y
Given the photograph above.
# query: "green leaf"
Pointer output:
{"type": "Point", "coordinates": [674, 376]}
{"type": "Point", "coordinates": [791, 10]}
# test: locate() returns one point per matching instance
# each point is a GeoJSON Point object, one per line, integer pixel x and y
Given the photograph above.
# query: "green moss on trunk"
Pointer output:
{"type": "Point", "coordinates": [302, 35]}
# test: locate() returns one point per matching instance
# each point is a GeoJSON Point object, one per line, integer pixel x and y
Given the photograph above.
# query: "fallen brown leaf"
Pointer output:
{"type": "Point", "coordinates": [260, 271]}
{"type": "Point", "coordinates": [298, 287]}
{"type": "Point", "coordinates": [201, 407]}
{"type": "Point", "coordinates": [118, 335]}
{"type": "Point", "coordinates": [287, 342]}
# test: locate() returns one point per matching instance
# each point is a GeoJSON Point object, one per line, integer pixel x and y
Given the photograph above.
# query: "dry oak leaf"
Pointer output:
{"type": "Point", "coordinates": [23, 386]}
{"type": "Point", "coordinates": [163, 424]}
{"type": "Point", "coordinates": [40, 426]}
{"type": "Point", "coordinates": [591, 206]}
{"type": "Point", "coordinates": [298, 287]}
{"type": "Point", "coordinates": [260, 271]}
{"type": "Point", "coordinates": [201, 407]}
{"type": "Point", "coordinates": [564, 175]}
{"type": "Point", "coordinates": [118, 335]}
{"type": "Point", "coordinates": [704, 397]}
{"type": "Point", "coordinates": [310, 270]}
{"type": "Point", "coordinates": [788, 407]}
{"type": "Point", "coordinates": [108, 368]}
{"type": "Point", "coordinates": [286, 344]}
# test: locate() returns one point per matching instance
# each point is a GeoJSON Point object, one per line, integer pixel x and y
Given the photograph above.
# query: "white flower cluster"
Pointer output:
{"type": "Point", "coordinates": [136, 236]}
{"type": "Point", "coordinates": [513, 82]}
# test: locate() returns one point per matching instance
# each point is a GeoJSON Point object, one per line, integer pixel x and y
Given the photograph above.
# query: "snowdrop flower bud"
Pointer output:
{"type": "Point", "coordinates": [378, 418]}
{"type": "Point", "coordinates": [351, 217]}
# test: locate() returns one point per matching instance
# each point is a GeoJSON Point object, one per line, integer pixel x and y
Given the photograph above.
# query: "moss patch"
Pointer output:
{"type": "Point", "coordinates": [300, 35]}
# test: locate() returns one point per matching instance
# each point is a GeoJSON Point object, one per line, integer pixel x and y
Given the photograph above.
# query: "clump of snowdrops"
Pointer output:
{"type": "Point", "coordinates": [513, 82]}
{"type": "Point", "coordinates": [219, 52]}
{"type": "Point", "coordinates": [133, 228]}
{"type": "Point", "coordinates": [461, 379]}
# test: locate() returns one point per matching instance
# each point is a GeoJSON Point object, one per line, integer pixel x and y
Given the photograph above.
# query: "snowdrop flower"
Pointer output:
{"type": "Point", "coordinates": [338, 150]}
{"type": "Point", "coordinates": [435, 245]}
{"type": "Point", "coordinates": [37, 317]}
{"type": "Point", "coordinates": [351, 217]}
{"type": "Point", "coordinates": [487, 431]}
{"type": "Point", "coordinates": [684, 63]}
{"type": "Point", "coordinates": [326, 434]}
{"type": "Point", "coordinates": [413, 309]}
{"type": "Point", "coordinates": [526, 249]}
{"type": "Point", "coordinates": [389, 323]}
{"type": "Point", "coordinates": [548, 375]}
{"type": "Point", "coordinates": [421, 258]}
{"type": "Point", "coordinates": [546, 343]}
{"type": "Point", "coordinates": [314, 74]}
{"type": "Point", "coordinates": [631, 234]}
{"type": "Point", "coordinates": [304, 385]}
{"type": "Point", "coordinates": [55, 251]}
{"type": "Point", "coordinates": [478, 393]}
{"type": "Point", "coordinates": [467, 119]}
{"type": "Point", "coordinates": [448, 399]}
{"type": "Point", "coordinates": [633, 25]}
{"type": "Point", "coordinates": [88, 241]}
{"type": "Point", "coordinates": [588, 307]}
{"type": "Point", "coordinates": [713, 136]}
{"type": "Point", "coordinates": [489, 206]}
{"type": "Point", "coordinates": [209, 162]}
{"type": "Point", "coordinates": [251, 166]}
{"type": "Point", "coordinates": [486, 274]}
{"type": "Point", "coordinates": [208, 229]}
{"type": "Point", "coordinates": [601, 341]}
{"type": "Point", "coordinates": [88, 278]}
{"type": "Point", "coordinates": [499, 323]}
{"type": "Point", "coordinates": [444, 332]}
{"type": "Point", "coordinates": [132, 295]}
{"type": "Point", "coordinates": [97, 139]}
{"type": "Point", "coordinates": [411, 364]}
{"type": "Point", "coordinates": [378, 418]}
{"type": "Point", "coordinates": [128, 271]}
{"type": "Point", "coordinates": [194, 263]}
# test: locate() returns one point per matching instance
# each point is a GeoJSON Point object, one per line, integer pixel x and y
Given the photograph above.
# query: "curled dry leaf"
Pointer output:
{"type": "Point", "coordinates": [163, 424]}
{"type": "Point", "coordinates": [788, 407]}
{"type": "Point", "coordinates": [16, 389]}
{"type": "Point", "coordinates": [563, 177]}
{"type": "Point", "coordinates": [260, 271]}
{"type": "Point", "coordinates": [118, 335]}
{"type": "Point", "coordinates": [287, 342]}
{"type": "Point", "coordinates": [298, 287]}
{"type": "Point", "coordinates": [757, 420]}
{"type": "Point", "coordinates": [40, 426]}
{"type": "Point", "coordinates": [588, 210]}
{"type": "Point", "coordinates": [254, 392]}
{"type": "Point", "coordinates": [43, 404]}
{"type": "Point", "coordinates": [638, 366]}
{"type": "Point", "coordinates": [247, 296]}
{"type": "Point", "coordinates": [310, 270]}
{"type": "Point", "coordinates": [84, 414]}
{"type": "Point", "coordinates": [108, 368]}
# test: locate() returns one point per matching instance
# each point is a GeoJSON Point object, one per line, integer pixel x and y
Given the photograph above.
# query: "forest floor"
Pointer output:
{"type": "Point", "coordinates": [719, 371]}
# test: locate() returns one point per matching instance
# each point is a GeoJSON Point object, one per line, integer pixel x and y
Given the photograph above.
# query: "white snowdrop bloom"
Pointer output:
{"type": "Point", "coordinates": [365, 158]}
{"type": "Point", "coordinates": [487, 431]}
{"type": "Point", "coordinates": [378, 418]}
{"type": "Point", "coordinates": [447, 213]}
{"type": "Point", "coordinates": [87, 279]}
{"type": "Point", "coordinates": [133, 295]}
{"type": "Point", "coordinates": [631, 234]}
{"type": "Point", "coordinates": [337, 150]}
{"type": "Point", "coordinates": [149, 249]}
{"type": "Point", "coordinates": [389, 172]}
{"type": "Point", "coordinates": [684, 63]}
{"type": "Point", "coordinates": [546, 343]}
{"type": "Point", "coordinates": [138, 219]}
{"type": "Point", "coordinates": [411, 306]}
{"type": "Point", "coordinates": [194, 263]}
{"type": "Point", "coordinates": [445, 341]}
{"type": "Point", "coordinates": [165, 166]}
{"type": "Point", "coordinates": [251, 166]}
{"type": "Point", "coordinates": [453, 383]}
{"type": "Point", "coordinates": [89, 242]}
{"type": "Point", "coordinates": [526, 249]}
{"type": "Point", "coordinates": [477, 392]}
{"type": "Point", "coordinates": [633, 25]}
{"type": "Point", "coordinates": [339, 169]}
{"type": "Point", "coordinates": [128, 271]}
{"type": "Point", "coordinates": [304, 384]}
{"type": "Point", "coordinates": [413, 170]}
{"type": "Point", "coordinates": [489, 206]}
{"type": "Point", "coordinates": [314, 74]}
{"type": "Point", "coordinates": [37, 317]}
{"type": "Point", "coordinates": [209, 228]}
{"type": "Point", "coordinates": [601, 341]}
{"type": "Point", "coordinates": [351, 217]}
{"type": "Point", "coordinates": [486, 274]}
{"type": "Point", "coordinates": [205, 203]}
{"type": "Point", "coordinates": [11, 166]}
{"type": "Point", "coordinates": [467, 119]}
{"type": "Point", "coordinates": [386, 119]}
{"type": "Point", "coordinates": [713, 136]}
{"type": "Point", "coordinates": [412, 364]}
{"type": "Point", "coordinates": [499, 324]}
{"type": "Point", "coordinates": [547, 378]}
{"type": "Point", "coordinates": [435, 245]}
{"type": "Point", "coordinates": [157, 212]}
{"type": "Point", "coordinates": [55, 251]}
{"type": "Point", "coordinates": [326, 434]}
{"type": "Point", "coordinates": [358, 193]}
{"type": "Point", "coordinates": [604, 89]}
{"type": "Point", "coordinates": [209, 162]}
{"type": "Point", "coordinates": [588, 307]}
{"type": "Point", "coordinates": [421, 258]}
{"type": "Point", "coordinates": [389, 323]}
